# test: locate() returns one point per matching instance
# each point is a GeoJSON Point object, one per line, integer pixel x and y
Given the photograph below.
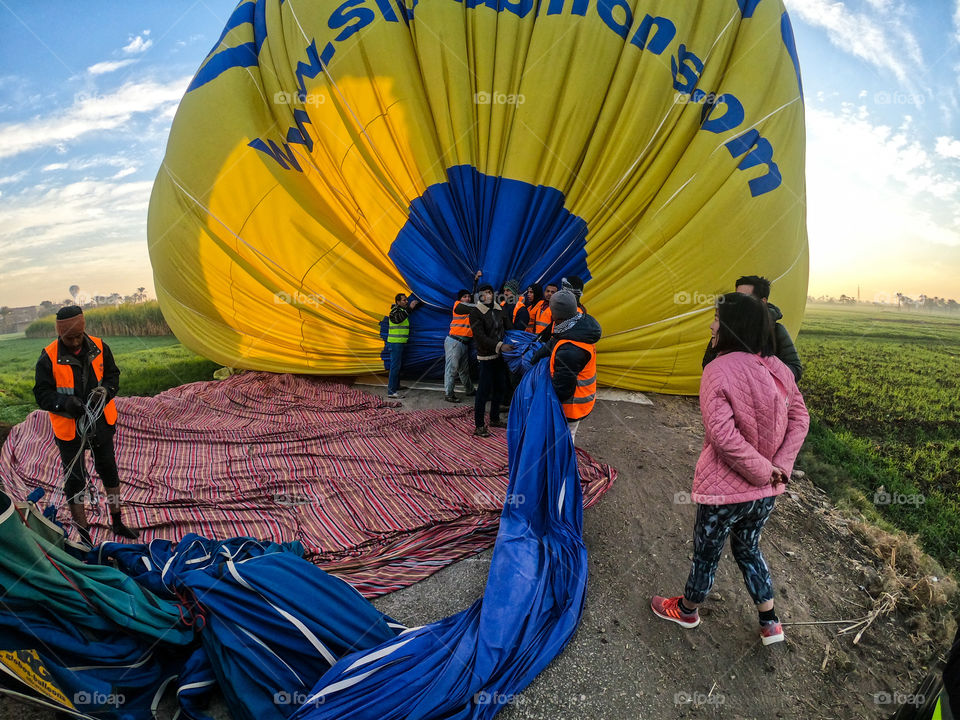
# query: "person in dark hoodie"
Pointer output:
{"type": "Point", "coordinates": [784, 348]}
{"type": "Point", "coordinates": [573, 358]}
{"type": "Point", "coordinates": [486, 323]}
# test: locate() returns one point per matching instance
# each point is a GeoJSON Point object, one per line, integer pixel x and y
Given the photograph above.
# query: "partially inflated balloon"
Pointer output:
{"type": "Point", "coordinates": [327, 156]}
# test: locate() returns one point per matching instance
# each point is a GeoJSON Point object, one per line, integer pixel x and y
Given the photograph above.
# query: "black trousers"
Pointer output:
{"type": "Point", "coordinates": [490, 386]}
{"type": "Point", "coordinates": [104, 460]}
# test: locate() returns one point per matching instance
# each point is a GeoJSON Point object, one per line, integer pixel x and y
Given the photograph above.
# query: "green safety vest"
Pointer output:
{"type": "Point", "coordinates": [398, 333]}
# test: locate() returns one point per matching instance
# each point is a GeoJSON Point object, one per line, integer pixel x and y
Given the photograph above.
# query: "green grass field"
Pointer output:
{"type": "Point", "coordinates": [883, 388]}
{"type": "Point", "coordinates": [148, 365]}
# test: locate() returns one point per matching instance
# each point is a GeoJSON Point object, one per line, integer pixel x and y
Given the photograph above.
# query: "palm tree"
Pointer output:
{"type": "Point", "coordinates": [141, 294]}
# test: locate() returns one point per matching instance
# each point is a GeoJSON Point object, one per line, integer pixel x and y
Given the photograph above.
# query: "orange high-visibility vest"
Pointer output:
{"type": "Point", "coordinates": [460, 327]}
{"type": "Point", "coordinates": [534, 312]}
{"type": "Point", "coordinates": [584, 397]}
{"type": "Point", "coordinates": [65, 428]}
{"type": "Point", "coordinates": [544, 318]}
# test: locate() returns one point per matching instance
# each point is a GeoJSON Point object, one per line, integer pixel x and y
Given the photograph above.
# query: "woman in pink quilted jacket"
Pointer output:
{"type": "Point", "coordinates": [754, 422]}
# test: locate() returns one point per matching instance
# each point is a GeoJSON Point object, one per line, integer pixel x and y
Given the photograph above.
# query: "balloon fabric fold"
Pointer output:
{"type": "Point", "coordinates": [471, 664]}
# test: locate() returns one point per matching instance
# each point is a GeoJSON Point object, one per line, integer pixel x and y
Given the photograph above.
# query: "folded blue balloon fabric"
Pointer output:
{"type": "Point", "coordinates": [270, 622]}
{"type": "Point", "coordinates": [471, 664]}
{"type": "Point", "coordinates": [525, 345]}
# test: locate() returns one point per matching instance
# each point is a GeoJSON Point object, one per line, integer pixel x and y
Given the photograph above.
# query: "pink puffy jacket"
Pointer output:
{"type": "Point", "coordinates": [753, 418]}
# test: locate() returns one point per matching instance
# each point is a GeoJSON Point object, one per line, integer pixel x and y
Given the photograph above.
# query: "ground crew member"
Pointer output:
{"type": "Point", "coordinates": [573, 358]}
{"type": "Point", "coordinates": [73, 373]}
{"type": "Point", "coordinates": [398, 333]}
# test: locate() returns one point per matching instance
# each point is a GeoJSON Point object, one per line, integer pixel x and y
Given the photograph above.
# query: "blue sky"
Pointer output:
{"type": "Point", "coordinates": [87, 98]}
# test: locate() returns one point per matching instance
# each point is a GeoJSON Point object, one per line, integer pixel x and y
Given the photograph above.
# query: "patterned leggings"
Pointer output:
{"type": "Point", "coordinates": [743, 522]}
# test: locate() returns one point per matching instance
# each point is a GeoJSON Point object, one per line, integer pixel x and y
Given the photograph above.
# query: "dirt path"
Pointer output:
{"type": "Point", "coordinates": [625, 663]}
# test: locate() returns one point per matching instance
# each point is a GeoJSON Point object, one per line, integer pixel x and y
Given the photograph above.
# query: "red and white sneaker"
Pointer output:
{"type": "Point", "coordinates": [771, 633]}
{"type": "Point", "coordinates": [669, 609]}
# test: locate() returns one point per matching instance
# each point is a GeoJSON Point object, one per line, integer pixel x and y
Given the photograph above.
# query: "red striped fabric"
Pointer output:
{"type": "Point", "coordinates": [379, 497]}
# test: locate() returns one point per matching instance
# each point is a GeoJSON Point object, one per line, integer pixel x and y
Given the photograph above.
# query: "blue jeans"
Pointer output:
{"type": "Point", "coordinates": [396, 360]}
{"type": "Point", "coordinates": [743, 522]}
{"type": "Point", "coordinates": [456, 361]}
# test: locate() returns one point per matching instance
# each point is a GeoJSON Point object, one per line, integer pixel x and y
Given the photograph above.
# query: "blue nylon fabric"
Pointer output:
{"type": "Point", "coordinates": [126, 665]}
{"type": "Point", "coordinates": [76, 616]}
{"type": "Point", "coordinates": [195, 684]}
{"type": "Point", "coordinates": [471, 664]}
{"type": "Point", "coordinates": [507, 228]}
{"type": "Point", "coordinates": [525, 345]}
{"type": "Point", "coordinates": [248, 591]}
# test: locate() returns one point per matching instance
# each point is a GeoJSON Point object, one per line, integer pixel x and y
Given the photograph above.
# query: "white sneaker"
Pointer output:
{"type": "Point", "coordinates": [394, 396]}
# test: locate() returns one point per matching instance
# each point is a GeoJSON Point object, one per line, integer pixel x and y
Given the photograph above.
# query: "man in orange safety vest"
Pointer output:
{"type": "Point", "coordinates": [75, 377]}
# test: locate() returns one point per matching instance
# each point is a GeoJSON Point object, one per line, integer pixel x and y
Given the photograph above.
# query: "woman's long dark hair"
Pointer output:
{"type": "Point", "coordinates": [537, 293]}
{"type": "Point", "coordinates": [745, 325]}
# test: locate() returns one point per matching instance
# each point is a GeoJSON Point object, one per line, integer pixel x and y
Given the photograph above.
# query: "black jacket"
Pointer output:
{"type": "Point", "coordinates": [570, 360]}
{"type": "Point", "coordinates": [486, 322]}
{"type": "Point", "coordinates": [785, 349]}
{"type": "Point", "coordinates": [399, 314]}
{"type": "Point", "coordinates": [45, 387]}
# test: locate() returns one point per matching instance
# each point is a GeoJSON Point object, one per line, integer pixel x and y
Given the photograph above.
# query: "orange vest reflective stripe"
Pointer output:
{"type": "Point", "coordinates": [65, 428]}
{"type": "Point", "coordinates": [544, 318]}
{"type": "Point", "coordinates": [460, 327]}
{"type": "Point", "coordinates": [516, 309]}
{"type": "Point", "coordinates": [534, 311]}
{"type": "Point", "coordinates": [580, 405]}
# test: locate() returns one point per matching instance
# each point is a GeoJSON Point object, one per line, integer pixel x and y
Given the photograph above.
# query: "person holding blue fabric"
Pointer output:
{"type": "Point", "coordinates": [486, 322]}
{"type": "Point", "coordinates": [573, 358]}
{"type": "Point", "coordinates": [398, 333]}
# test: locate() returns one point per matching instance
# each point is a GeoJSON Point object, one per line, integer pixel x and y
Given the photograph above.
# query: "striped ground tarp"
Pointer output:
{"type": "Point", "coordinates": [380, 497]}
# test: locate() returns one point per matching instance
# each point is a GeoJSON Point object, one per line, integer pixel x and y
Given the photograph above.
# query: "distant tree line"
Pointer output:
{"type": "Point", "coordinates": [15, 319]}
{"type": "Point", "coordinates": [901, 301]}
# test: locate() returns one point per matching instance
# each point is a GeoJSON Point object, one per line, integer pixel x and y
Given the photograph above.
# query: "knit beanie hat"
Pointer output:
{"type": "Point", "coordinates": [563, 305]}
{"type": "Point", "coordinates": [574, 284]}
{"type": "Point", "coordinates": [70, 318]}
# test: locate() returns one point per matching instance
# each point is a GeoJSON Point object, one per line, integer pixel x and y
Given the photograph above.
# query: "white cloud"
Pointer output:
{"type": "Point", "coordinates": [90, 113]}
{"type": "Point", "coordinates": [109, 66]}
{"type": "Point", "coordinates": [87, 232]}
{"type": "Point", "coordinates": [93, 161]}
{"type": "Point", "coordinates": [123, 173]}
{"type": "Point", "coordinates": [882, 40]}
{"type": "Point", "coordinates": [138, 44]}
{"type": "Point", "coordinates": [16, 177]}
{"type": "Point", "coordinates": [948, 147]}
{"type": "Point", "coordinates": [37, 219]}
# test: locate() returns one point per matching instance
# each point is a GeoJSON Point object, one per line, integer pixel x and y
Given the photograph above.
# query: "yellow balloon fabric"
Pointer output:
{"type": "Point", "coordinates": [329, 156]}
